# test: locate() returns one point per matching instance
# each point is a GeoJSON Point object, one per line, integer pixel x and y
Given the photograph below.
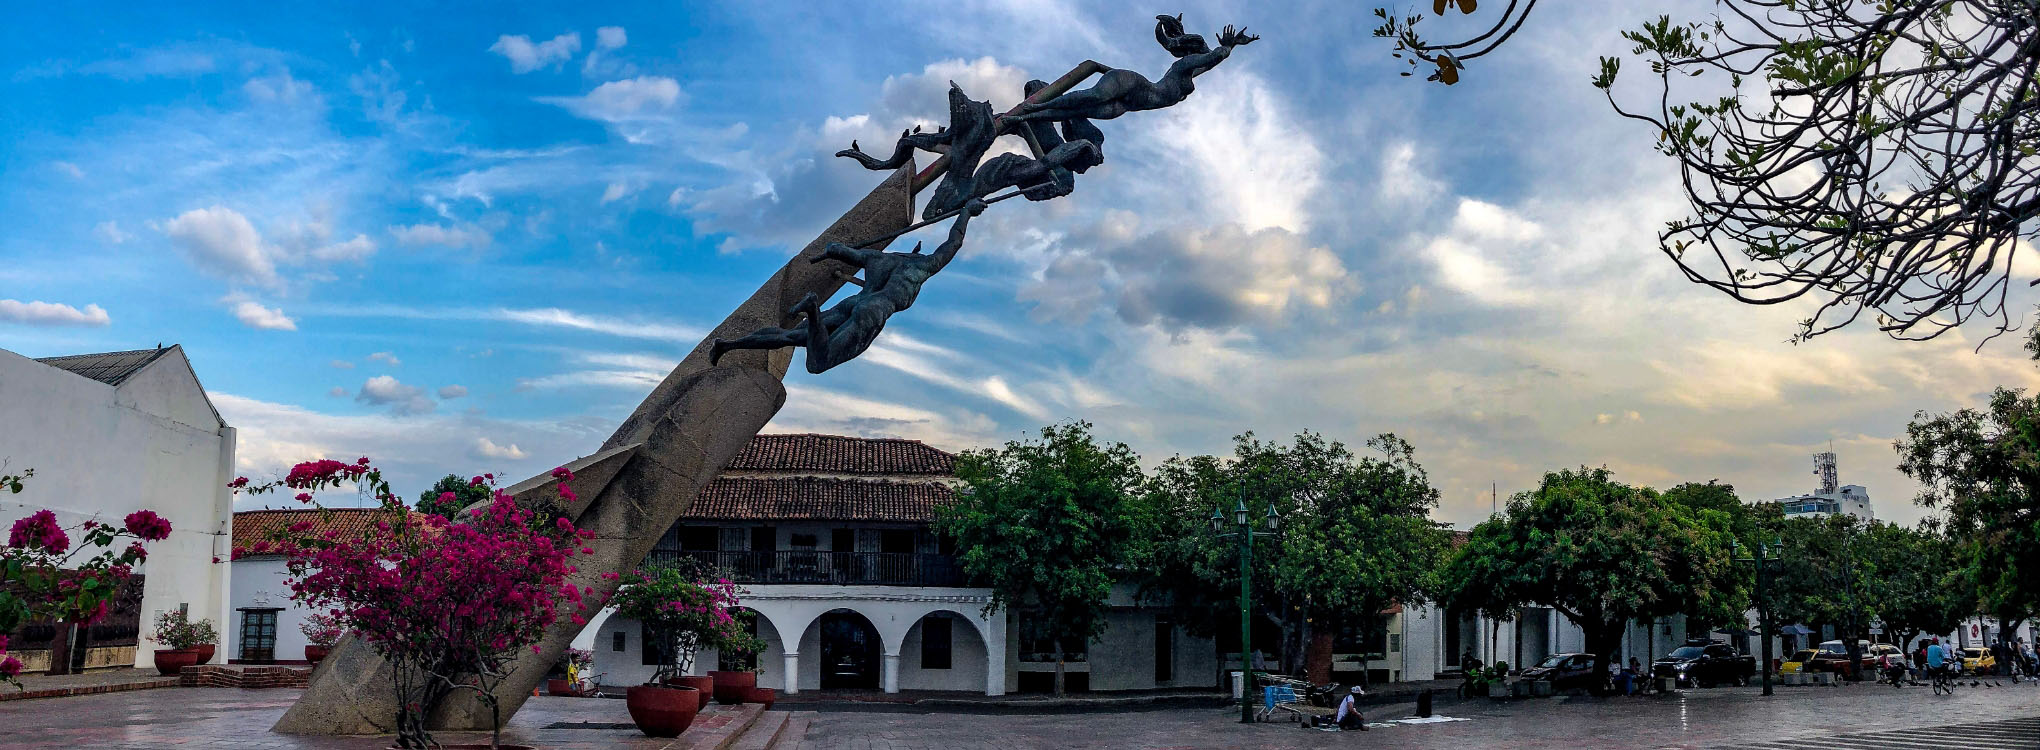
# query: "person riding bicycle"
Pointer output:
{"type": "Point", "coordinates": [1937, 659]}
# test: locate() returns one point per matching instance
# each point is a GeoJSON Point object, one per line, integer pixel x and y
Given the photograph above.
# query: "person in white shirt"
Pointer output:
{"type": "Point", "coordinates": [1349, 713]}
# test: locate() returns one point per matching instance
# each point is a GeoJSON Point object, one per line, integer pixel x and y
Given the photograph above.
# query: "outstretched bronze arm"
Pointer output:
{"type": "Point", "coordinates": [947, 251]}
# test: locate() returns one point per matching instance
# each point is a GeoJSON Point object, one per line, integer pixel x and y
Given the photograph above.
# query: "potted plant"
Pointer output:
{"type": "Point", "coordinates": [185, 643]}
{"type": "Point", "coordinates": [321, 632]}
{"type": "Point", "coordinates": [687, 614]}
{"type": "Point", "coordinates": [761, 696]}
{"type": "Point", "coordinates": [736, 679]}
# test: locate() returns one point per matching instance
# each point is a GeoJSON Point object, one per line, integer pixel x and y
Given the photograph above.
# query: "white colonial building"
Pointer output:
{"type": "Point", "coordinates": [830, 539]}
{"type": "Point", "coordinates": [108, 434]}
{"type": "Point", "coordinates": [263, 626]}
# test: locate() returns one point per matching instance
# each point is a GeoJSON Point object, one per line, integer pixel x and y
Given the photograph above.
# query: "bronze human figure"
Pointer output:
{"type": "Point", "coordinates": [891, 283]}
{"type": "Point", "coordinates": [1120, 91]}
{"type": "Point", "coordinates": [970, 133]}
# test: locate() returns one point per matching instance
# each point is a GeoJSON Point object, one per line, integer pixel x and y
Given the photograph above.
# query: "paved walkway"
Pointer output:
{"type": "Point", "coordinates": [96, 681]}
{"type": "Point", "coordinates": [239, 719]}
{"type": "Point", "coordinates": [1794, 719]}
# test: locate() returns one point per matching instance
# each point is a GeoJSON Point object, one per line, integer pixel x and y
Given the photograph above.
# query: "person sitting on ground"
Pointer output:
{"type": "Point", "coordinates": [1349, 713]}
{"type": "Point", "coordinates": [1632, 678]}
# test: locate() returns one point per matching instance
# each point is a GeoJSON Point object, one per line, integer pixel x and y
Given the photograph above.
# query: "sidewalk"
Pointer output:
{"type": "Point", "coordinates": [97, 681]}
{"type": "Point", "coordinates": [1444, 692]}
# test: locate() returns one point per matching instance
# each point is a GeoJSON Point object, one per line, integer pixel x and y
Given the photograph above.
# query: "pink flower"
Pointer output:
{"type": "Point", "coordinates": [477, 482]}
{"type": "Point", "coordinates": [135, 549]}
{"type": "Point", "coordinates": [10, 667]}
{"type": "Point", "coordinates": [304, 497]}
{"type": "Point", "coordinates": [564, 524]}
{"type": "Point", "coordinates": [238, 482]}
{"type": "Point", "coordinates": [147, 525]}
{"type": "Point", "coordinates": [562, 474]}
{"type": "Point", "coordinates": [39, 529]}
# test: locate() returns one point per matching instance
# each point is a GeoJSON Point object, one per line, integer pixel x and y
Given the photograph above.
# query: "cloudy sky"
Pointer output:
{"type": "Point", "coordinates": [471, 240]}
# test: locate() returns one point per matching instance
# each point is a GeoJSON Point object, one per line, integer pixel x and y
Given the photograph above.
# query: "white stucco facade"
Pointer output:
{"type": "Point", "coordinates": [102, 451]}
{"type": "Point", "coordinates": [259, 584]}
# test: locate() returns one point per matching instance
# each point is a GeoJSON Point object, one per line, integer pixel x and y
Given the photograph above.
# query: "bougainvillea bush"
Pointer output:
{"type": "Point", "coordinates": [689, 612]}
{"type": "Point", "coordinates": [448, 602]}
{"type": "Point", "coordinates": [44, 576]}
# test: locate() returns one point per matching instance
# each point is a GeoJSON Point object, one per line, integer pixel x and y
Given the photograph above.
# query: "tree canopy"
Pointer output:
{"type": "Point", "coordinates": [465, 493]}
{"type": "Point", "coordinates": [1983, 468]}
{"type": "Point", "coordinates": [1046, 524]}
{"type": "Point", "coordinates": [1600, 552]}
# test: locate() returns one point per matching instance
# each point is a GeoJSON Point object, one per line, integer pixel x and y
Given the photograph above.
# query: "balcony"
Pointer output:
{"type": "Point", "coordinates": [839, 568]}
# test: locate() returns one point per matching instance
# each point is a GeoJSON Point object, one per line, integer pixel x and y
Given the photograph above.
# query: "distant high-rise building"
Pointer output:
{"type": "Point", "coordinates": [1829, 496]}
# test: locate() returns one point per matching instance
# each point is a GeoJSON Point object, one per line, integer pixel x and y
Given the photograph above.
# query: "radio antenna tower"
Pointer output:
{"type": "Point", "coordinates": [1824, 467]}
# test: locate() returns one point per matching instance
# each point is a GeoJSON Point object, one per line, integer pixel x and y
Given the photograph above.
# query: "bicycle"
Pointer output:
{"type": "Point", "coordinates": [1944, 681]}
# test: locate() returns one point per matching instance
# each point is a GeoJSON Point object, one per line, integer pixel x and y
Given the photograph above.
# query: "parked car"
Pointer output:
{"type": "Point", "coordinates": [1705, 664]}
{"type": "Point", "coordinates": [1978, 660]}
{"type": "Point", "coordinates": [1564, 671]}
{"type": "Point", "coordinates": [1866, 662]}
{"type": "Point", "coordinates": [1801, 661]}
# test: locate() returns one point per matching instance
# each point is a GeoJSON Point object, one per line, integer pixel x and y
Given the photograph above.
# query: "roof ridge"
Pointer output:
{"type": "Point", "coordinates": [102, 354]}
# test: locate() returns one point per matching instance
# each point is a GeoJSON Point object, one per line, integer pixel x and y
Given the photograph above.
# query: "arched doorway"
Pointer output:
{"type": "Point", "coordinates": [850, 651]}
{"type": "Point", "coordinates": [943, 651]}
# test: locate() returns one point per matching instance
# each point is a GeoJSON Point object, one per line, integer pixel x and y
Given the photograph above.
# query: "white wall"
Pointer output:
{"type": "Point", "coordinates": [967, 659]}
{"type": "Point", "coordinates": [258, 582]}
{"type": "Point", "coordinates": [101, 452]}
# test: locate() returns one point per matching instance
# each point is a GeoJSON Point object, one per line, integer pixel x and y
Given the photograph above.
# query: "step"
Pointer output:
{"type": "Point", "coordinates": [761, 733]}
{"type": "Point", "coordinates": [796, 731]}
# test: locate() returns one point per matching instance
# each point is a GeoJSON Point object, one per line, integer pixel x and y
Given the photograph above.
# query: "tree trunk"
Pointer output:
{"type": "Point", "coordinates": [1601, 642]}
{"type": "Point", "coordinates": [1317, 660]}
{"type": "Point", "coordinates": [1058, 668]}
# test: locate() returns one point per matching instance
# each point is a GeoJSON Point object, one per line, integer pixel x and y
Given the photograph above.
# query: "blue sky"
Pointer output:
{"type": "Point", "coordinates": [468, 237]}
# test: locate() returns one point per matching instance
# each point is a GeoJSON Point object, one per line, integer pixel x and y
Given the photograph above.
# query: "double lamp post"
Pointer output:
{"type": "Point", "coordinates": [1244, 530]}
{"type": "Point", "coordinates": [1765, 553]}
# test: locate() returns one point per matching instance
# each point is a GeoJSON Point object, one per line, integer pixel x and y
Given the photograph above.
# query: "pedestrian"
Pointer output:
{"type": "Point", "coordinates": [1349, 712]}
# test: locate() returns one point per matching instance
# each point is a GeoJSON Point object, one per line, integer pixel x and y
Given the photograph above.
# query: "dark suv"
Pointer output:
{"type": "Point", "coordinates": [1705, 664]}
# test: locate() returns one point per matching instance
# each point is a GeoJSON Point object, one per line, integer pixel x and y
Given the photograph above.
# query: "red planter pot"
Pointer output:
{"type": "Point", "coordinates": [761, 696]}
{"type": "Point", "coordinates": [662, 711]}
{"type": "Point", "coordinates": [316, 653]}
{"type": "Point", "coordinates": [705, 687]}
{"type": "Point", "coordinates": [170, 661]}
{"type": "Point", "coordinates": [732, 688]}
{"type": "Point", "coordinates": [205, 653]}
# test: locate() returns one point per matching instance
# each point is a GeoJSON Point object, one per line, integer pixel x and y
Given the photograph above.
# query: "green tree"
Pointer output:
{"type": "Point", "coordinates": [465, 493]}
{"type": "Point", "coordinates": [1600, 552]}
{"type": "Point", "coordinates": [1048, 524]}
{"type": "Point", "coordinates": [1714, 507]}
{"type": "Point", "coordinates": [1825, 576]}
{"type": "Point", "coordinates": [1983, 469]}
{"type": "Point", "coordinates": [1356, 537]}
{"type": "Point", "coordinates": [1917, 580]}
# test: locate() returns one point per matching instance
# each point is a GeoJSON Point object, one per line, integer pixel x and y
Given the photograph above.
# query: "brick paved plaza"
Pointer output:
{"type": "Point", "coordinates": [1848, 718]}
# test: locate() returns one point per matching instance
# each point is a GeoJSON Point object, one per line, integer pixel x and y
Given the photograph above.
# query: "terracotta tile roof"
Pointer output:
{"type": "Point", "coordinates": [251, 526]}
{"type": "Point", "coordinates": [818, 499]}
{"type": "Point", "coordinates": [841, 454]}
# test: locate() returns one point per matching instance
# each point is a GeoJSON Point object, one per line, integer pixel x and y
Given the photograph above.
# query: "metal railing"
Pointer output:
{"type": "Point", "coordinates": [864, 568]}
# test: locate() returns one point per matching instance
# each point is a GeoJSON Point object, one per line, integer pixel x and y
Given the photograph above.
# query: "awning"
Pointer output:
{"type": "Point", "coordinates": [1796, 630]}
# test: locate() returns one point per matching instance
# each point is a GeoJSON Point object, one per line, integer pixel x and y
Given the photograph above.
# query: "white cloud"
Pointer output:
{"type": "Point", "coordinates": [615, 192]}
{"type": "Point", "coordinates": [610, 37]}
{"type": "Point", "coordinates": [355, 249]}
{"type": "Point", "coordinates": [254, 315]}
{"type": "Point", "coordinates": [70, 170]}
{"type": "Point", "coordinates": [447, 392]}
{"type": "Point", "coordinates": [222, 242]}
{"type": "Point", "coordinates": [383, 390]}
{"type": "Point", "coordinates": [624, 100]}
{"type": "Point", "coordinates": [109, 231]}
{"type": "Point", "coordinates": [337, 392]}
{"type": "Point", "coordinates": [341, 364]}
{"type": "Point", "coordinates": [486, 448]}
{"type": "Point", "coordinates": [280, 87]}
{"type": "Point", "coordinates": [386, 358]}
{"type": "Point", "coordinates": [1243, 149]}
{"type": "Point", "coordinates": [39, 313]}
{"type": "Point", "coordinates": [439, 234]}
{"type": "Point", "coordinates": [524, 56]}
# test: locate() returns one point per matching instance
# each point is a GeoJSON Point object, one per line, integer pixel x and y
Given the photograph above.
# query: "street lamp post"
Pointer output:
{"type": "Point", "coordinates": [1766, 630]}
{"type": "Point", "coordinates": [1244, 531]}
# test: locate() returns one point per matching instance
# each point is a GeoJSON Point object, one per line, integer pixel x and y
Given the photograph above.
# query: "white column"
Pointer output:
{"type": "Point", "coordinates": [994, 632]}
{"type": "Point", "coordinates": [889, 678]}
{"type": "Point", "coordinates": [792, 681]}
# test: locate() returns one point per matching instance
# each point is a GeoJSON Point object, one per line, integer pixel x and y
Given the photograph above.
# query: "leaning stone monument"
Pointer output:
{"type": "Point", "coordinates": [695, 421]}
